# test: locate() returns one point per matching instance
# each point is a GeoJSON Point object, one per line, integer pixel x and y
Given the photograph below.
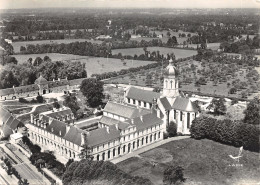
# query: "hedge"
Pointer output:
{"type": "Point", "coordinates": [235, 133]}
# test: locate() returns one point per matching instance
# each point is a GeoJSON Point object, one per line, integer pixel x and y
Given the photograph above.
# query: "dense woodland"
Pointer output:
{"type": "Point", "coordinates": [14, 74]}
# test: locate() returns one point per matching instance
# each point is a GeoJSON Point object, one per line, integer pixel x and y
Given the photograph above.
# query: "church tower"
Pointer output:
{"type": "Point", "coordinates": [170, 84]}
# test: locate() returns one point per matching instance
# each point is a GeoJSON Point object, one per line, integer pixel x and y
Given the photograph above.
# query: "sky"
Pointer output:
{"type": "Point", "coordinates": [17, 4]}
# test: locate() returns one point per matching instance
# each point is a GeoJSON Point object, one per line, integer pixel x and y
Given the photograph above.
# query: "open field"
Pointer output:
{"type": "Point", "coordinates": [17, 45]}
{"type": "Point", "coordinates": [179, 53]}
{"type": "Point", "coordinates": [204, 162]}
{"type": "Point", "coordinates": [93, 64]}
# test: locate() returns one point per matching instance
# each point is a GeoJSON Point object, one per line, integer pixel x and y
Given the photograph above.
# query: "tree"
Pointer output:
{"type": "Point", "coordinates": [71, 102]}
{"type": "Point", "coordinates": [37, 61]}
{"type": "Point", "coordinates": [218, 106]}
{"type": "Point", "coordinates": [173, 175]}
{"type": "Point", "coordinates": [92, 89]}
{"type": "Point", "coordinates": [39, 99]}
{"type": "Point", "coordinates": [69, 162]}
{"type": "Point", "coordinates": [172, 129]}
{"type": "Point", "coordinates": [252, 112]}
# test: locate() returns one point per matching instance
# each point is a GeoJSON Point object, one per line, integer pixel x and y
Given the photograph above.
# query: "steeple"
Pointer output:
{"type": "Point", "coordinates": [170, 85]}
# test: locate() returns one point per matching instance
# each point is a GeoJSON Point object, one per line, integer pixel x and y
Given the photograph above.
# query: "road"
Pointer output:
{"type": "Point", "coordinates": [146, 148]}
{"type": "Point", "coordinates": [25, 168]}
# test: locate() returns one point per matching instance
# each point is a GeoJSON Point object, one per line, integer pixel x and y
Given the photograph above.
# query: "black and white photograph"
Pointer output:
{"type": "Point", "coordinates": [129, 92]}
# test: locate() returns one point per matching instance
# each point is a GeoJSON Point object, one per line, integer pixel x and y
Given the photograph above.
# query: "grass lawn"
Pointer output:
{"type": "Point", "coordinates": [17, 45]}
{"type": "Point", "coordinates": [204, 162]}
{"type": "Point", "coordinates": [179, 53]}
{"type": "Point", "coordinates": [93, 64]}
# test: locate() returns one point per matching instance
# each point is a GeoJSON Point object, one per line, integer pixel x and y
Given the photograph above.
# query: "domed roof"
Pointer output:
{"type": "Point", "coordinates": [170, 69]}
{"type": "Point", "coordinates": [41, 80]}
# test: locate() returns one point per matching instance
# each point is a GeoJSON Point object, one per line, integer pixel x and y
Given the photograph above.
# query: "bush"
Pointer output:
{"type": "Point", "coordinates": [172, 129]}
{"type": "Point", "coordinates": [39, 99]}
{"type": "Point", "coordinates": [226, 131]}
{"type": "Point", "coordinates": [173, 175]}
{"type": "Point", "coordinates": [22, 100]}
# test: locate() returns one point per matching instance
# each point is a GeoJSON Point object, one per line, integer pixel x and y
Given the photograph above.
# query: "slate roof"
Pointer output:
{"type": "Point", "coordinates": [148, 121]}
{"type": "Point", "coordinates": [124, 110]}
{"type": "Point", "coordinates": [74, 135]}
{"type": "Point", "coordinates": [165, 103]}
{"type": "Point", "coordinates": [57, 127]}
{"type": "Point", "coordinates": [10, 122]}
{"type": "Point", "coordinates": [4, 92]}
{"type": "Point", "coordinates": [27, 88]}
{"type": "Point", "coordinates": [110, 121]}
{"type": "Point", "coordinates": [41, 81]}
{"type": "Point", "coordinates": [143, 95]}
{"type": "Point", "coordinates": [99, 136]}
{"type": "Point", "coordinates": [184, 104]}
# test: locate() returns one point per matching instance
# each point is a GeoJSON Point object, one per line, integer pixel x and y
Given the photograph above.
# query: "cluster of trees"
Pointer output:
{"type": "Point", "coordinates": [173, 175]}
{"type": "Point", "coordinates": [27, 73]}
{"type": "Point", "coordinates": [92, 172]}
{"type": "Point", "coordinates": [92, 89]}
{"type": "Point", "coordinates": [226, 131]}
{"type": "Point", "coordinates": [11, 170]}
{"type": "Point", "coordinates": [243, 46]}
{"type": "Point", "coordinates": [8, 47]}
{"type": "Point", "coordinates": [39, 99]}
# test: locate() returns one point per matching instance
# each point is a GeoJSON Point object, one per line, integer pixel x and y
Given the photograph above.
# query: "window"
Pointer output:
{"type": "Point", "coordinates": [139, 103]}
{"type": "Point", "coordinates": [97, 148]}
{"type": "Point", "coordinates": [181, 116]}
{"type": "Point", "coordinates": [174, 116]}
{"type": "Point", "coordinates": [144, 104]}
{"type": "Point", "coordinates": [133, 101]}
{"type": "Point", "coordinates": [128, 100]}
{"type": "Point", "coordinates": [150, 105]}
{"type": "Point", "coordinates": [188, 120]}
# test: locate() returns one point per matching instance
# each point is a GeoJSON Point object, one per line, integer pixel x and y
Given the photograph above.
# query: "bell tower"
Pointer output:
{"type": "Point", "coordinates": [170, 84]}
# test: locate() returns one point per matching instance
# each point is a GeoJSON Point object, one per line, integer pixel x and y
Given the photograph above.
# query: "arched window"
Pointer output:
{"type": "Point", "coordinates": [114, 152]}
{"type": "Point", "coordinates": [151, 138]}
{"type": "Point", "coordinates": [124, 149]}
{"type": "Point", "coordinates": [159, 135]}
{"type": "Point", "coordinates": [129, 147]}
{"type": "Point", "coordinates": [142, 141]}
{"type": "Point", "coordinates": [174, 115]}
{"type": "Point", "coordinates": [155, 136]}
{"type": "Point", "coordinates": [146, 139]}
{"type": "Point", "coordinates": [166, 84]}
{"type": "Point", "coordinates": [108, 154]}
{"type": "Point", "coordinates": [171, 84]}
{"type": "Point", "coordinates": [98, 157]}
{"type": "Point", "coordinates": [103, 156]}
{"type": "Point", "coordinates": [134, 145]}
{"type": "Point", "coordinates": [181, 116]}
{"type": "Point", "coordinates": [188, 120]}
{"type": "Point", "coordinates": [138, 143]}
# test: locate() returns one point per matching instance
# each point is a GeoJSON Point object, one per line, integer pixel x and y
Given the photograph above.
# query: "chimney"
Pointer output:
{"type": "Point", "coordinates": [67, 128]}
{"type": "Point", "coordinates": [50, 120]}
{"type": "Point", "coordinates": [108, 130]}
{"type": "Point", "coordinates": [31, 118]}
{"type": "Point", "coordinates": [83, 138]}
{"type": "Point", "coordinates": [158, 113]}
